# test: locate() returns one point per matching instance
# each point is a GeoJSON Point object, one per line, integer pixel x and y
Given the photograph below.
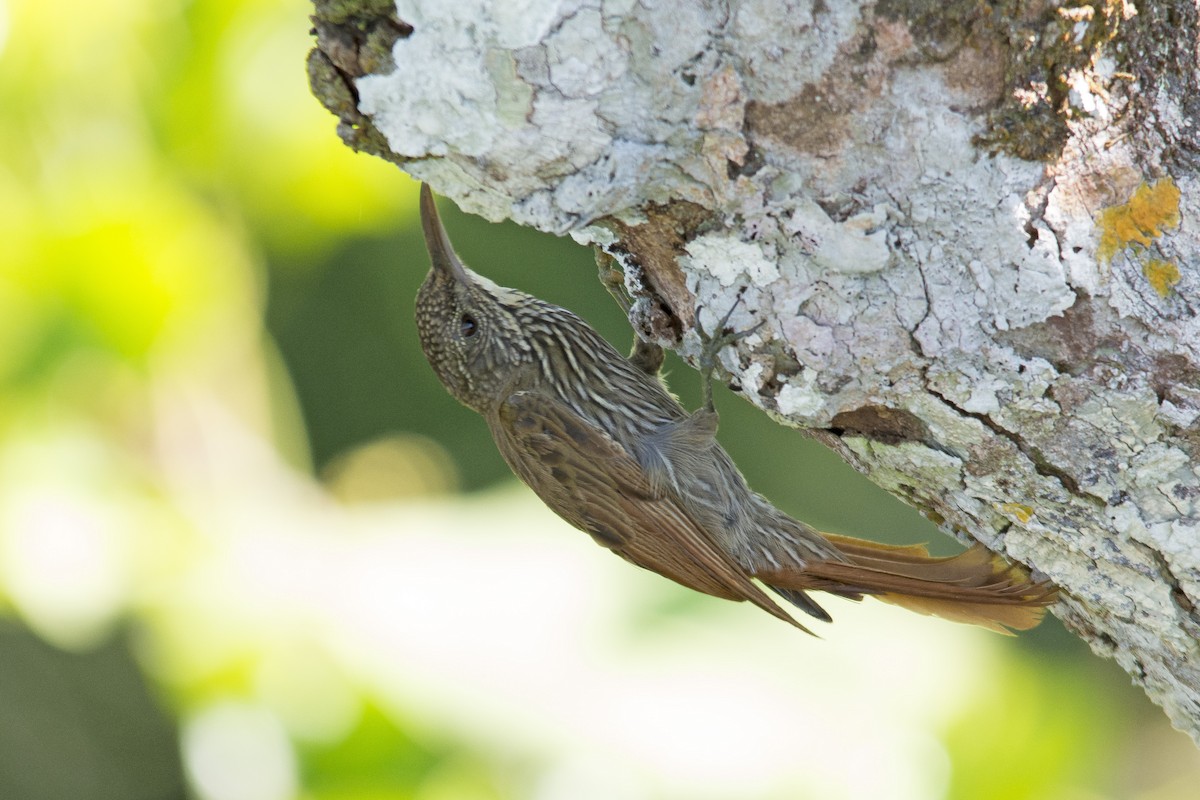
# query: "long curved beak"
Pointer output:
{"type": "Point", "coordinates": [441, 253]}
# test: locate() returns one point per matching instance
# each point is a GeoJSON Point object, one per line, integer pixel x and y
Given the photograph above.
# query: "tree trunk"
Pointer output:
{"type": "Point", "coordinates": [972, 229]}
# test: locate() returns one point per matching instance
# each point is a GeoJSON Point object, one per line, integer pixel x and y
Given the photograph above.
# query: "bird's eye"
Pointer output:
{"type": "Point", "coordinates": [467, 326]}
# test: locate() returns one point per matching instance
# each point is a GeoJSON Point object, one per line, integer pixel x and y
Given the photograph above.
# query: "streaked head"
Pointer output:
{"type": "Point", "coordinates": [467, 328]}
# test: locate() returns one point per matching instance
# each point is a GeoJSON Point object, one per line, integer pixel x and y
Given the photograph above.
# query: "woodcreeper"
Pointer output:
{"type": "Point", "coordinates": [603, 443]}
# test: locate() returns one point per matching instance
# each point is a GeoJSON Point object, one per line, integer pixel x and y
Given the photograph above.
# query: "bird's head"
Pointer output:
{"type": "Point", "coordinates": [468, 325]}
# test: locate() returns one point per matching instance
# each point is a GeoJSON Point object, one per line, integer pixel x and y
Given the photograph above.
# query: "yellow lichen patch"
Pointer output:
{"type": "Point", "coordinates": [1018, 511]}
{"type": "Point", "coordinates": [1162, 275]}
{"type": "Point", "coordinates": [1153, 207]}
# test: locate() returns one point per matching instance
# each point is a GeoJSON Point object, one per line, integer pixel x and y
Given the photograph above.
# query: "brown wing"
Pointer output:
{"type": "Point", "coordinates": [590, 480]}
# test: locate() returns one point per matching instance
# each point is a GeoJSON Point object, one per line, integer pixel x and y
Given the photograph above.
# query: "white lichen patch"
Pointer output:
{"type": "Point", "coordinates": [812, 342]}
{"type": "Point", "coordinates": [544, 101]}
{"type": "Point", "coordinates": [857, 245]}
{"type": "Point", "coordinates": [583, 58]}
{"type": "Point", "coordinates": [1186, 412]}
{"type": "Point", "coordinates": [1130, 420]}
{"type": "Point", "coordinates": [980, 385]}
{"type": "Point", "coordinates": [1040, 287]}
{"type": "Point", "coordinates": [751, 378]}
{"type": "Point", "coordinates": [449, 109]}
{"type": "Point", "coordinates": [894, 465]}
{"type": "Point", "coordinates": [729, 260]}
{"type": "Point", "coordinates": [983, 384]}
{"type": "Point", "coordinates": [617, 169]}
{"type": "Point", "coordinates": [786, 44]}
{"type": "Point", "coordinates": [969, 388]}
{"type": "Point", "coordinates": [1005, 282]}
{"type": "Point", "coordinates": [1165, 482]}
{"type": "Point", "coordinates": [800, 398]}
{"type": "Point", "coordinates": [1176, 540]}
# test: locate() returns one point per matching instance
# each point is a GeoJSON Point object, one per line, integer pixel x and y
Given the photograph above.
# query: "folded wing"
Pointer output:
{"type": "Point", "coordinates": [590, 480]}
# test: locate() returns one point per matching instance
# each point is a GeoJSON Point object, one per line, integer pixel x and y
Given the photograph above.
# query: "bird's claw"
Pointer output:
{"type": "Point", "coordinates": [646, 356]}
{"type": "Point", "coordinates": [715, 343]}
{"type": "Point", "coordinates": [613, 279]}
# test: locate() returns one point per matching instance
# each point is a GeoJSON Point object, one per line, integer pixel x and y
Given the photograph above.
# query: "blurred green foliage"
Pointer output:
{"type": "Point", "coordinates": [180, 223]}
{"type": "Point", "coordinates": [82, 725]}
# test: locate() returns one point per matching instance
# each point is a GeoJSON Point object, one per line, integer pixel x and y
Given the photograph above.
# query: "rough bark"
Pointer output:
{"type": "Point", "coordinates": [972, 229]}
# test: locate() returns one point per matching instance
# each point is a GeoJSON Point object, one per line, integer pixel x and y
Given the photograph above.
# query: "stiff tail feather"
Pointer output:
{"type": "Point", "coordinates": [976, 587]}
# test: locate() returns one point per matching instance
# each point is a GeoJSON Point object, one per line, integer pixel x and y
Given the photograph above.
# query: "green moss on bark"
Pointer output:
{"type": "Point", "coordinates": [1044, 44]}
{"type": "Point", "coordinates": [354, 38]}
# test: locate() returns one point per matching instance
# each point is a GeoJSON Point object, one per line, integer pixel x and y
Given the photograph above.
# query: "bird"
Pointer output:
{"type": "Point", "coordinates": [600, 439]}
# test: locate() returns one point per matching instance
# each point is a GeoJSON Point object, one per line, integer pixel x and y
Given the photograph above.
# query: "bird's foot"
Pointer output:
{"type": "Point", "coordinates": [646, 356]}
{"type": "Point", "coordinates": [613, 279]}
{"type": "Point", "coordinates": [714, 343]}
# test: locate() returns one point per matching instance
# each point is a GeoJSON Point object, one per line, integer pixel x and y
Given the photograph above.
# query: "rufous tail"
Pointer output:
{"type": "Point", "coordinates": [976, 587]}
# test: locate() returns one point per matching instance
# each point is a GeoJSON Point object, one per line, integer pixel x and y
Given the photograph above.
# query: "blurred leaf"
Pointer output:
{"type": "Point", "coordinates": [376, 761]}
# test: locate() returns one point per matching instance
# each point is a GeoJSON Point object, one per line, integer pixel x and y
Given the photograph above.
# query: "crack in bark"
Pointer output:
{"type": "Point", "coordinates": [1041, 464]}
{"type": "Point", "coordinates": [1037, 213]}
{"type": "Point", "coordinates": [1179, 595]}
{"type": "Point", "coordinates": [1180, 511]}
{"type": "Point", "coordinates": [913, 342]}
